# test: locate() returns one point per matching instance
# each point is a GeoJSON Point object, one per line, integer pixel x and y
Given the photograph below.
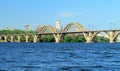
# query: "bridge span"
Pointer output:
{"type": "Point", "coordinates": [71, 28]}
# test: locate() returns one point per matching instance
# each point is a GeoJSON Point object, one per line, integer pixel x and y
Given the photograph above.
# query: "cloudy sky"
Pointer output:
{"type": "Point", "coordinates": [92, 14]}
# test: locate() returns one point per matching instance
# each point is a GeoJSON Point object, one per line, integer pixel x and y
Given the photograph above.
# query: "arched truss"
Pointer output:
{"type": "Point", "coordinates": [9, 36]}
{"type": "Point", "coordinates": [15, 37]}
{"type": "Point", "coordinates": [22, 36]}
{"type": "Point", "coordinates": [50, 29]}
{"type": "Point", "coordinates": [116, 36]}
{"type": "Point", "coordinates": [78, 25]}
{"type": "Point", "coordinates": [2, 37]}
{"type": "Point", "coordinates": [107, 35]}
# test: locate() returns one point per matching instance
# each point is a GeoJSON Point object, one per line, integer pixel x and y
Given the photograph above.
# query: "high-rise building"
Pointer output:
{"type": "Point", "coordinates": [27, 28]}
{"type": "Point", "coordinates": [58, 26]}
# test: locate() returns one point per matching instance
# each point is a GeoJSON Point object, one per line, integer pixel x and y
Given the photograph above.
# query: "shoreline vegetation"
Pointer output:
{"type": "Point", "coordinates": [50, 38]}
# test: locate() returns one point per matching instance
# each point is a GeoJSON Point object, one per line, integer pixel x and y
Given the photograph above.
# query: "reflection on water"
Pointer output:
{"type": "Point", "coordinates": [59, 56]}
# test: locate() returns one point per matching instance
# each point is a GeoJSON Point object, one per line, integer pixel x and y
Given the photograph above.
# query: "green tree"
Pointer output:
{"type": "Point", "coordinates": [67, 38]}
{"type": "Point", "coordinates": [100, 39]}
{"type": "Point", "coordinates": [47, 38]}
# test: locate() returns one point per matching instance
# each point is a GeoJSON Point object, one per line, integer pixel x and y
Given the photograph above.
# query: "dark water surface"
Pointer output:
{"type": "Point", "coordinates": [59, 57]}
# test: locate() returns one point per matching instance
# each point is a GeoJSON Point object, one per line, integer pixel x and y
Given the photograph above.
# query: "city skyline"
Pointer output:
{"type": "Point", "coordinates": [91, 14]}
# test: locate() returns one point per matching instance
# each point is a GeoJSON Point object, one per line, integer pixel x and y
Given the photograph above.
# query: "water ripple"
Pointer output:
{"type": "Point", "coordinates": [59, 57]}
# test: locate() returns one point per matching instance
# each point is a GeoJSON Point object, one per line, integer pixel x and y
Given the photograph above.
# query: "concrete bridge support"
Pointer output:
{"type": "Point", "coordinates": [12, 38]}
{"type": "Point", "coordinates": [27, 37]}
{"type": "Point", "coordinates": [112, 36]}
{"type": "Point", "coordinates": [89, 39]}
{"type": "Point", "coordinates": [88, 36]}
{"type": "Point", "coordinates": [5, 38]}
{"type": "Point", "coordinates": [18, 38]}
{"type": "Point", "coordinates": [57, 38]}
{"type": "Point", "coordinates": [35, 38]}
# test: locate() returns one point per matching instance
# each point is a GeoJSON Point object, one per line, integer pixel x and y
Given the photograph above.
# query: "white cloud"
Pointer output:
{"type": "Point", "coordinates": [68, 14]}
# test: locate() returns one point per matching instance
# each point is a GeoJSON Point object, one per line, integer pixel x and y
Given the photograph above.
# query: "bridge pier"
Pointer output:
{"type": "Point", "coordinates": [57, 38]}
{"type": "Point", "coordinates": [12, 37]}
{"type": "Point", "coordinates": [27, 37]}
{"type": "Point", "coordinates": [5, 38]}
{"type": "Point", "coordinates": [112, 37]}
{"type": "Point", "coordinates": [111, 40]}
{"type": "Point", "coordinates": [18, 38]}
{"type": "Point", "coordinates": [35, 38]}
{"type": "Point", "coordinates": [89, 36]}
{"type": "Point", "coordinates": [89, 39]}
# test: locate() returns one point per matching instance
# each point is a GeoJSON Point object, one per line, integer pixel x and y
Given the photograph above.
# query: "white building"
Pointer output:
{"type": "Point", "coordinates": [58, 26]}
{"type": "Point", "coordinates": [27, 27]}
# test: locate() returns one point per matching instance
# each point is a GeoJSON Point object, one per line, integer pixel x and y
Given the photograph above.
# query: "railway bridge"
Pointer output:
{"type": "Point", "coordinates": [58, 33]}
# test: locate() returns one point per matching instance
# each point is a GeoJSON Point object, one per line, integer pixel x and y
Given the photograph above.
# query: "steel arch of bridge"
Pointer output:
{"type": "Point", "coordinates": [45, 28]}
{"type": "Point", "coordinates": [80, 27]}
{"type": "Point", "coordinates": [101, 32]}
{"type": "Point", "coordinates": [117, 35]}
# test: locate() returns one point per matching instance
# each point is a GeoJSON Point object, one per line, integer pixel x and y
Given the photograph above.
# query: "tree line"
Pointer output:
{"type": "Point", "coordinates": [15, 32]}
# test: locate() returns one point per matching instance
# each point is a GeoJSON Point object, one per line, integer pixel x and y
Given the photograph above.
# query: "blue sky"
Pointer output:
{"type": "Point", "coordinates": [97, 14]}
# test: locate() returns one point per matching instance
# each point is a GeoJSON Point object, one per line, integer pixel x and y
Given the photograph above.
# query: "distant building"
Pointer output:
{"type": "Point", "coordinates": [38, 28]}
{"type": "Point", "coordinates": [58, 26]}
{"type": "Point", "coordinates": [27, 28]}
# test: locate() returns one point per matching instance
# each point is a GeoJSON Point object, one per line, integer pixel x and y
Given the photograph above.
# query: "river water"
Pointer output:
{"type": "Point", "coordinates": [59, 57]}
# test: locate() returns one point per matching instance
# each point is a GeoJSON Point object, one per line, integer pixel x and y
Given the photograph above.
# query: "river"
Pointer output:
{"type": "Point", "coordinates": [59, 57]}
